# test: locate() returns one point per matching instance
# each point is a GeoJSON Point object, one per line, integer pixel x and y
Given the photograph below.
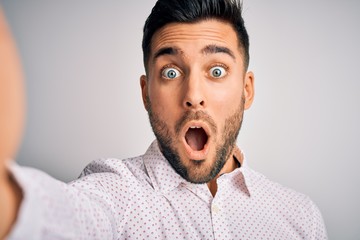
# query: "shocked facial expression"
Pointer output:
{"type": "Point", "coordinates": [195, 93]}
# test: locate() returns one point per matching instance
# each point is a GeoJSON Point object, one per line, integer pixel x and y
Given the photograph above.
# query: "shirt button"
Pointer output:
{"type": "Point", "coordinates": [215, 209]}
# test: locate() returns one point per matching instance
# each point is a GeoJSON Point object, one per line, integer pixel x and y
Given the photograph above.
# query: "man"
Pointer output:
{"type": "Point", "coordinates": [193, 182]}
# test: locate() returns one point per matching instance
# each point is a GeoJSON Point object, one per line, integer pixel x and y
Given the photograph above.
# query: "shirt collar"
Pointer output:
{"type": "Point", "coordinates": [241, 177]}
{"type": "Point", "coordinates": [162, 175]}
{"type": "Point", "coordinates": [164, 178]}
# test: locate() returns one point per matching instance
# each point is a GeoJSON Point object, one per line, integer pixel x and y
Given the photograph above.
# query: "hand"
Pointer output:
{"type": "Point", "coordinates": [11, 122]}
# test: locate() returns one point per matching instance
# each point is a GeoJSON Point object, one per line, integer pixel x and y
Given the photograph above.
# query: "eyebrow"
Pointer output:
{"type": "Point", "coordinates": [211, 49]}
{"type": "Point", "coordinates": [166, 51]}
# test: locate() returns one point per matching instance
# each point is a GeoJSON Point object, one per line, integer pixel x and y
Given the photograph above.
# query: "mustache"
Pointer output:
{"type": "Point", "coordinates": [198, 115]}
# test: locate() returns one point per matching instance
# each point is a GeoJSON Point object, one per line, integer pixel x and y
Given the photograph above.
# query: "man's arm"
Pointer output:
{"type": "Point", "coordinates": [34, 205]}
{"type": "Point", "coordinates": [51, 209]}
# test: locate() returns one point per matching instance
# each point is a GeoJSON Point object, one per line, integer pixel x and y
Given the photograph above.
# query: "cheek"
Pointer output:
{"type": "Point", "coordinates": [164, 104]}
{"type": "Point", "coordinates": [224, 102]}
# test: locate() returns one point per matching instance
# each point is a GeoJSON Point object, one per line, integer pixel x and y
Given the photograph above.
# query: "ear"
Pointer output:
{"type": "Point", "coordinates": [249, 89]}
{"type": "Point", "coordinates": [144, 92]}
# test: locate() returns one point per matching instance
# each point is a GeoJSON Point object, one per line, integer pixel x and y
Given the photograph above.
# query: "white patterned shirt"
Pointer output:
{"type": "Point", "coordinates": [144, 198]}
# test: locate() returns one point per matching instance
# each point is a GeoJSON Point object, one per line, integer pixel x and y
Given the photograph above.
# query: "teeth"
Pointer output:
{"type": "Point", "coordinates": [194, 127]}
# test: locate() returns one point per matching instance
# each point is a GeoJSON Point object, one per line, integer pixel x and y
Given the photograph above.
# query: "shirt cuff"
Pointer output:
{"type": "Point", "coordinates": [30, 215]}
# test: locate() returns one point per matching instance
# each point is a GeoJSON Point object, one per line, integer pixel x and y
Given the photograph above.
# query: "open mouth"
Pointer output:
{"type": "Point", "coordinates": [196, 138]}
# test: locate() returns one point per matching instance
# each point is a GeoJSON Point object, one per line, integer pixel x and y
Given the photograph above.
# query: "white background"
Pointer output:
{"type": "Point", "coordinates": [82, 61]}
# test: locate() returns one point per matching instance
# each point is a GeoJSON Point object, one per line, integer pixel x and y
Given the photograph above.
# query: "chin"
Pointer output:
{"type": "Point", "coordinates": [200, 171]}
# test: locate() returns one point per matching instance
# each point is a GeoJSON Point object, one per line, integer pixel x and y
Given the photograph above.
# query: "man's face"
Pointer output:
{"type": "Point", "coordinates": [195, 93]}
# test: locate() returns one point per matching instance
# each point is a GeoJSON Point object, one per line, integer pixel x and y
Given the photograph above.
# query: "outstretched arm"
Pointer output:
{"type": "Point", "coordinates": [33, 205]}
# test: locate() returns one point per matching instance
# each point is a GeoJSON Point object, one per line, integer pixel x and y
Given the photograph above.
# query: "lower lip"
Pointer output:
{"type": "Point", "coordinates": [196, 155]}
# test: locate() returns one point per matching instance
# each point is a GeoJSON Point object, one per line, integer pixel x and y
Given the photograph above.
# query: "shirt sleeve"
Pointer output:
{"type": "Point", "coordinates": [318, 226]}
{"type": "Point", "coordinates": [51, 209]}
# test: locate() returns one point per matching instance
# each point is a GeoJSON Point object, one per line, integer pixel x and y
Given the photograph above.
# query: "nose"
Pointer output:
{"type": "Point", "coordinates": [194, 94]}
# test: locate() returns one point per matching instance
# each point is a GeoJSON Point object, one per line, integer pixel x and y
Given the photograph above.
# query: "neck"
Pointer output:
{"type": "Point", "coordinates": [231, 164]}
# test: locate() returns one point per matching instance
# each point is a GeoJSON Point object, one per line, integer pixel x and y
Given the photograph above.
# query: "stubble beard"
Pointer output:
{"type": "Point", "coordinates": [199, 172]}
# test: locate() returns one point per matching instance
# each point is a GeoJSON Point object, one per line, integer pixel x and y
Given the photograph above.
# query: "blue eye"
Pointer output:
{"type": "Point", "coordinates": [170, 73]}
{"type": "Point", "coordinates": [217, 72]}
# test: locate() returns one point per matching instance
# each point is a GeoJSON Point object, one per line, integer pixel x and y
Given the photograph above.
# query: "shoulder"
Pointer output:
{"type": "Point", "coordinates": [297, 208]}
{"type": "Point", "coordinates": [113, 165]}
{"type": "Point", "coordinates": [262, 186]}
{"type": "Point", "coordinates": [111, 175]}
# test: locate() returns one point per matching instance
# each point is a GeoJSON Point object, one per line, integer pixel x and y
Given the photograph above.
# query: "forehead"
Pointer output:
{"type": "Point", "coordinates": [193, 36]}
